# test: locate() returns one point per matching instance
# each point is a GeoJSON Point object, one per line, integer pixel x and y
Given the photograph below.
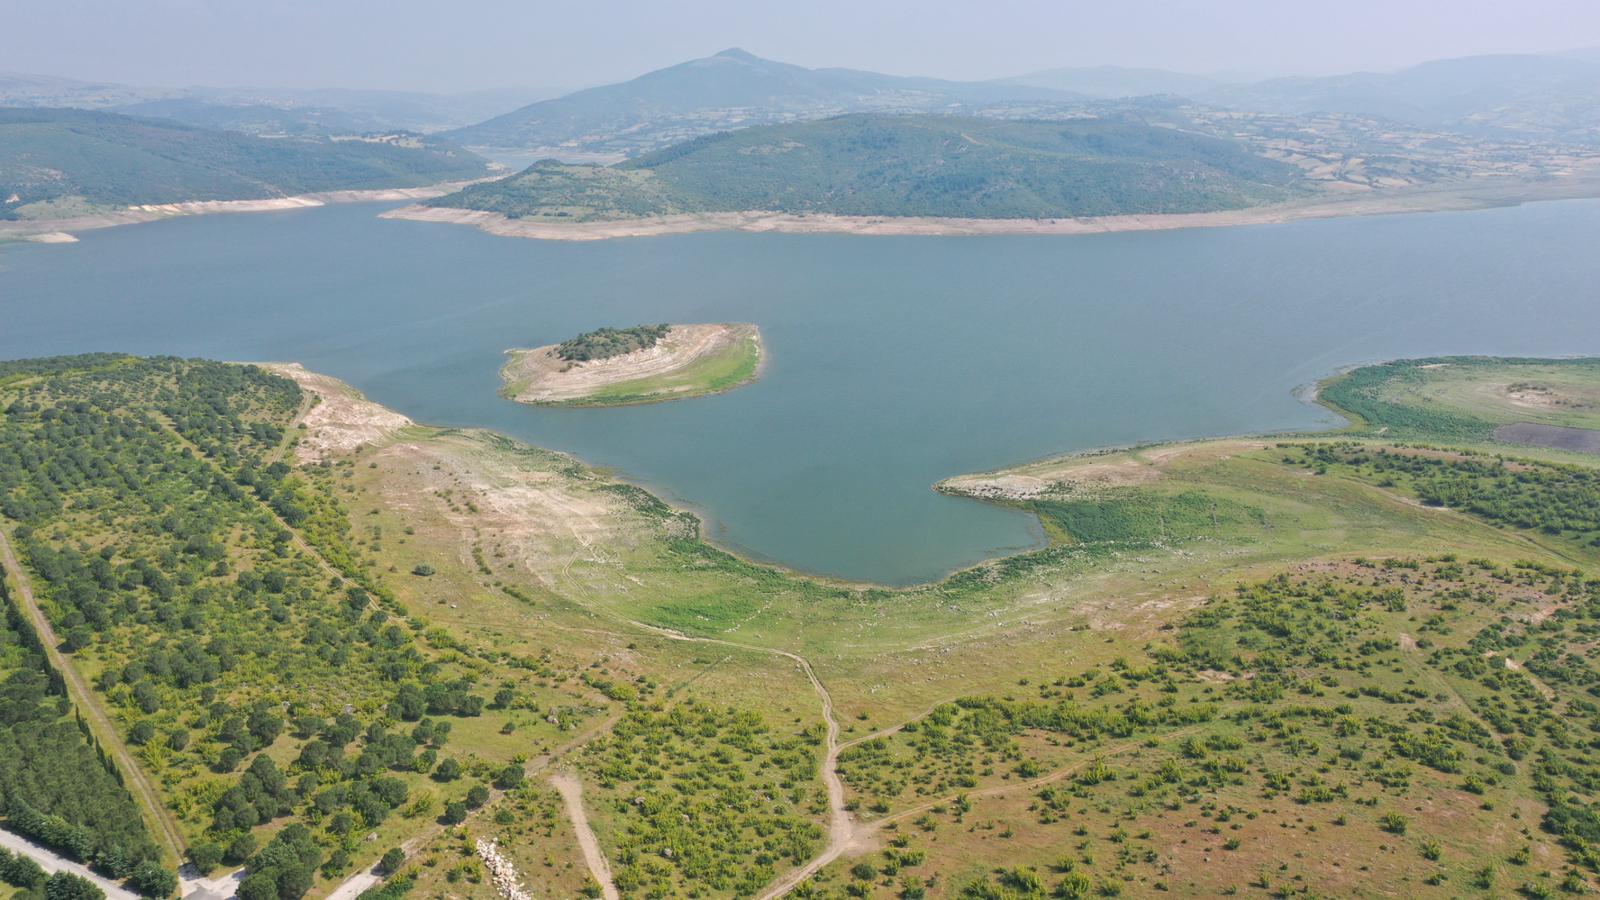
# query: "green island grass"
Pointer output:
{"type": "Point", "coordinates": [734, 366]}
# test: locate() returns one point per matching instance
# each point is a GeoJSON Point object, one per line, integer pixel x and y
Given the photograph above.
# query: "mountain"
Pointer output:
{"type": "Point", "coordinates": [891, 165]}
{"type": "Point", "coordinates": [22, 89]}
{"type": "Point", "coordinates": [53, 160]}
{"type": "Point", "coordinates": [271, 110]}
{"type": "Point", "coordinates": [336, 110]}
{"type": "Point", "coordinates": [1110, 82]}
{"type": "Point", "coordinates": [1507, 96]}
{"type": "Point", "coordinates": [732, 89]}
{"type": "Point", "coordinates": [262, 119]}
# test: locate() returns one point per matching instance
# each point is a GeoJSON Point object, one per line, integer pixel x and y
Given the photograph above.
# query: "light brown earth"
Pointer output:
{"type": "Point", "coordinates": [60, 231]}
{"type": "Point", "coordinates": [540, 376]}
{"type": "Point", "coordinates": [1076, 475]}
{"type": "Point", "coordinates": [342, 418]}
{"type": "Point", "coordinates": [571, 790]}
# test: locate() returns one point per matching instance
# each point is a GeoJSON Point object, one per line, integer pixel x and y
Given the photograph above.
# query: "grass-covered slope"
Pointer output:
{"type": "Point", "coordinates": [109, 160]}
{"type": "Point", "coordinates": [877, 165]}
{"type": "Point", "coordinates": [1466, 398]}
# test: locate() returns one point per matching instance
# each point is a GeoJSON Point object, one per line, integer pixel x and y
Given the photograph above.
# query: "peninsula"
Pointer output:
{"type": "Point", "coordinates": [644, 364]}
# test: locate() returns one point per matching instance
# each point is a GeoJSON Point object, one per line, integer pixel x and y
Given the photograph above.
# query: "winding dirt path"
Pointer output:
{"type": "Point", "coordinates": [571, 790]}
{"type": "Point", "coordinates": [843, 830]}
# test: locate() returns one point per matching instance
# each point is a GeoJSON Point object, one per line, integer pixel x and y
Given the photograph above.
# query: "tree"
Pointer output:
{"type": "Point", "coordinates": [67, 886]}
{"type": "Point", "coordinates": [205, 857]}
{"type": "Point", "coordinates": [258, 886]}
{"type": "Point", "coordinates": [509, 778]}
{"type": "Point", "coordinates": [392, 860]}
{"type": "Point", "coordinates": [241, 849]}
{"type": "Point", "coordinates": [154, 880]}
{"type": "Point", "coordinates": [455, 813]}
{"type": "Point", "coordinates": [478, 796]}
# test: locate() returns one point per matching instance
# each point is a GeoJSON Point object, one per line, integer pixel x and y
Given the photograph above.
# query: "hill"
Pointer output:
{"type": "Point", "coordinates": [729, 90]}
{"type": "Point", "coordinates": [51, 158]}
{"type": "Point", "coordinates": [1507, 96]}
{"type": "Point", "coordinates": [882, 165]}
{"type": "Point", "coordinates": [1109, 82]}
{"type": "Point", "coordinates": [271, 110]}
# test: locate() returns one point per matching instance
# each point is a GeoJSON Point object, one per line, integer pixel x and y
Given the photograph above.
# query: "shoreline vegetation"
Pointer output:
{"type": "Point", "coordinates": [61, 231]}
{"type": "Point", "coordinates": [1456, 197]}
{"type": "Point", "coordinates": [675, 362]}
{"type": "Point", "coordinates": [485, 616]}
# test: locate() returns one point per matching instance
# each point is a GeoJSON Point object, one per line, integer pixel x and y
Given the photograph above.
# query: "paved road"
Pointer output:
{"type": "Point", "coordinates": [53, 862]}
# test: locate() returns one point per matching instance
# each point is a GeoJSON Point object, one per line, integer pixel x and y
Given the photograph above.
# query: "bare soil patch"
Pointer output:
{"type": "Point", "coordinates": [342, 420]}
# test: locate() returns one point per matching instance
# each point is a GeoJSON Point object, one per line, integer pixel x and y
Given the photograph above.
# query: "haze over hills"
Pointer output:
{"type": "Point", "coordinates": [1524, 97]}
{"type": "Point", "coordinates": [905, 165]}
{"type": "Point", "coordinates": [268, 110]}
{"type": "Point", "coordinates": [1517, 96]}
{"type": "Point", "coordinates": [67, 161]}
{"type": "Point", "coordinates": [1109, 82]}
{"type": "Point", "coordinates": [729, 90]}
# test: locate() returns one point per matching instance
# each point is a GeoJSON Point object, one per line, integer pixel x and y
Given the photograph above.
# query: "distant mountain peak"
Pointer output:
{"type": "Point", "coordinates": [740, 54]}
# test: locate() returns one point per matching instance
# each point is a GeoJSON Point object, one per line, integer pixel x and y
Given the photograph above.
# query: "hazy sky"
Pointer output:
{"type": "Point", "coordinates": [466, 44]}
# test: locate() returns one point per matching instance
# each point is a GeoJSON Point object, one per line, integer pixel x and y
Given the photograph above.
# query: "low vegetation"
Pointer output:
{"type": "Point", "coordinates": [1335, 665]}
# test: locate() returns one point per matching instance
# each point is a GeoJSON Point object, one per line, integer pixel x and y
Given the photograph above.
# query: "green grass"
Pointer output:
{"type": "Point", "coordinates": [1464, 398]}
{"type": "Point", "coordinates": [733, 366]}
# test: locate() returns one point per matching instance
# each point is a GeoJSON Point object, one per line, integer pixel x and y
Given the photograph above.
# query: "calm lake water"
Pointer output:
{"type": "Point", "coordinates": [894, 362]}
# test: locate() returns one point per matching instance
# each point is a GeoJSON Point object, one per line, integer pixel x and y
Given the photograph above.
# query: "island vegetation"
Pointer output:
{"type": "Point", "coordinates": [643, 364]}
{"type": "Point", "coordinates": [604, 343]}
{"type": "Point", "coordinates": [536, 678]}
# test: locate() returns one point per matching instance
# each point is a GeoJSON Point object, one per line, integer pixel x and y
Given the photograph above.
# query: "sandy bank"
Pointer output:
{"type": "Point", "coordinates": [61, 230]}
{"type": "Point", "coordinates": [661, 372]}
{"type": "Point", "coordinates": [1461, 196]}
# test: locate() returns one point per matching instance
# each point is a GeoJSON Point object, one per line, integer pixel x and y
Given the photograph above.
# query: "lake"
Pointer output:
{"type": "Point", "coordinates": [893, 362]}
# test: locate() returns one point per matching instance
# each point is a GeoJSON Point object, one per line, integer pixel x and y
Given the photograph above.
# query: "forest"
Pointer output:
{"type": "Point", "coordinates": [271, 692]}
{"type": "Point", "coordinates": [885, 165]}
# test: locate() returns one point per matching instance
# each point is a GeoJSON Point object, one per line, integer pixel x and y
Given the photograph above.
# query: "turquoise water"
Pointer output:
{"type": "Point", "coordinates": [894, 362]}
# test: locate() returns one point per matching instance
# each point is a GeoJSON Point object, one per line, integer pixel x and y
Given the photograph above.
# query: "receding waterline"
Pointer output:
{"type": "Point", "coordinates": [895, 362]}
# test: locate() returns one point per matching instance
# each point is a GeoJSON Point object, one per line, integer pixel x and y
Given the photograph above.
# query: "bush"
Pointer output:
{"type": "Point", "coordinates": [391, 862]}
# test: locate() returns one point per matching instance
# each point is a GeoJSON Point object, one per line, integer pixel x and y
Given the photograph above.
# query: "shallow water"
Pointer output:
{"type": "Point", "coordinates": [894, 361]}
{"type": "Point", "coordinates": [1553, 437]}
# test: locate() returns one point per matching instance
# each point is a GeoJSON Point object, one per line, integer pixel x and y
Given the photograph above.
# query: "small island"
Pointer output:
{"type": "Point", "coordinates": [643, 364]}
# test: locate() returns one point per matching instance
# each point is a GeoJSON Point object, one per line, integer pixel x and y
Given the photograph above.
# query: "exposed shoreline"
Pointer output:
{"type": "Point", "coordinates": [60, 231]}
{"type": "Point", "coordinates": [1443, 198]}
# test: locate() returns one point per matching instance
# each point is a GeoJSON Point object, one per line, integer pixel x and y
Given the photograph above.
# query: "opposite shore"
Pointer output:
{"type": "Point", "coordinates": [61, 231]}
{"type": "Point", "coordinates": [1485, 194]}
